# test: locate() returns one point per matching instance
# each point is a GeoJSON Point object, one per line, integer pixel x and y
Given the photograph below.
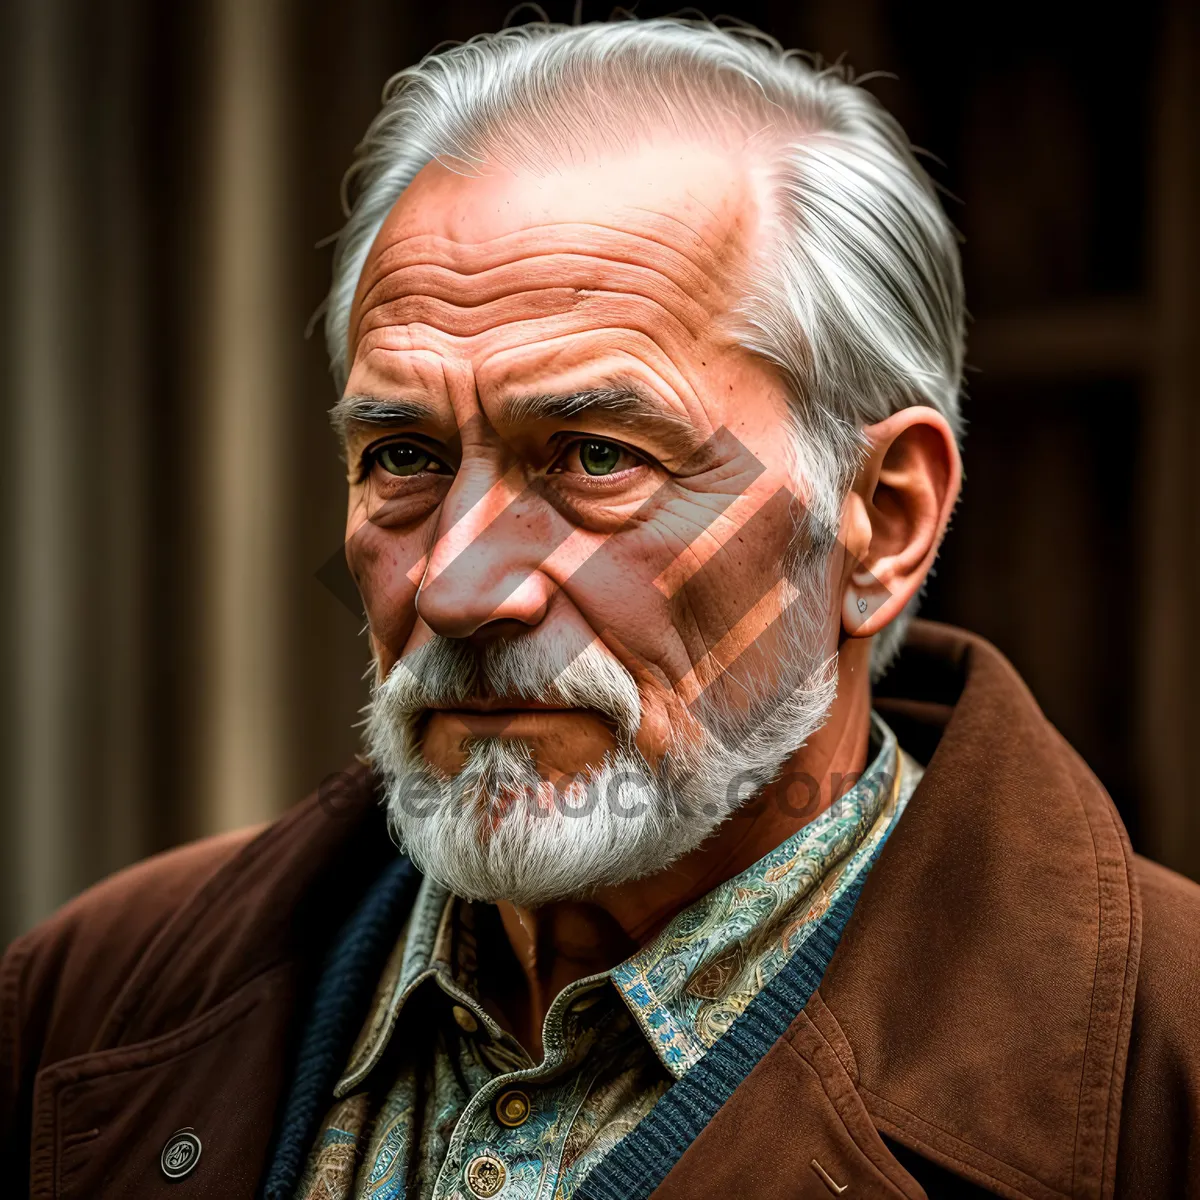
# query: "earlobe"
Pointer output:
{"type": "Point", "coordinates": [905, 491]}
{"type": "Point", "coordinates": [856, 611]}
{"type": "Point", "coordinates": [866, 604]}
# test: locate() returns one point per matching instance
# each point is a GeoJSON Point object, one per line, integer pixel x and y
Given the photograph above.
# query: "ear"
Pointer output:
{"type": "Point", "coordinates": [895, 516]}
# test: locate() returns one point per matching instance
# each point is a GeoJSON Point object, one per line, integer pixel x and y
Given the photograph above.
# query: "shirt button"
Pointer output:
{"type": "Point", "coordinates": [512, 1108]}
{"type": "Point", "coordinates": [466, 1021]}
{"type": "Point", "coordinates": [181, 1154]}
{"type": "Point", "coordinates": [485, 1176]}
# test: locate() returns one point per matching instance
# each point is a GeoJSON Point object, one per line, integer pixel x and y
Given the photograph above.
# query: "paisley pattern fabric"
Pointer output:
{"type": "Point", "coordinates": [415, 1114]}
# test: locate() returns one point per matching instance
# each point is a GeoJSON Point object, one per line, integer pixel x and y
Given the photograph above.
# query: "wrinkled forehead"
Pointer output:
{"type": "Point", "coordinates": [688, 213]}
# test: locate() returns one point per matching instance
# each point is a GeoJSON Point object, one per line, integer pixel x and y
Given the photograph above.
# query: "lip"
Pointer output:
{"type": "Point", "coordinates": [502, 720]}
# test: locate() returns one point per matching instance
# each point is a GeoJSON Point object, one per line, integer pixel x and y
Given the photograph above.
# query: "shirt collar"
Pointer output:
{"type": "Point", "coordinates": [688, 985]}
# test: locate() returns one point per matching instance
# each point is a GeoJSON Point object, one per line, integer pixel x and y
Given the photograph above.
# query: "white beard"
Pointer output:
{"type": "Point", "coordinates": [497, 830]}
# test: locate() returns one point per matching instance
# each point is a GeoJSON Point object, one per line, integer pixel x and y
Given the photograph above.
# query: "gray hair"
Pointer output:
{"type": "Point", "coordinates": [858, 301]}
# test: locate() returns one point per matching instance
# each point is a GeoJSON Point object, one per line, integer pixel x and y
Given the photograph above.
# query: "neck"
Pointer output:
{"type": "Point", "coordinates": [560, 943]}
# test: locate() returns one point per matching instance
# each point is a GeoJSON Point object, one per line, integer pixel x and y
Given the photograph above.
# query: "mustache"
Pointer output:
{"type": "Point", "coordinates": [446, 672]}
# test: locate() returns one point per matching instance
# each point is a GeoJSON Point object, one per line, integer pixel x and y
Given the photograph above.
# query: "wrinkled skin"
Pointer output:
{"type": "Point", "coordinates": [619, 272]}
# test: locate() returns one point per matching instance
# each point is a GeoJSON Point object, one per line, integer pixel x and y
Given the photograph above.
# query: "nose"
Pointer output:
{"type": "Point", "coordinates": [484, 572]}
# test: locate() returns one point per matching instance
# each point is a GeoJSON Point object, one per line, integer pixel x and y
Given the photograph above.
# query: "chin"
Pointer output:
{"type": "Point", "coordinates": [498, 831]}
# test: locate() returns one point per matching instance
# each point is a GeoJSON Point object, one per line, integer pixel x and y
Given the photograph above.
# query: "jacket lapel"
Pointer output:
{"type": "Point", "coordinates": [985, 981]}
{"type": "Point", "coordinates": [796, 1129]}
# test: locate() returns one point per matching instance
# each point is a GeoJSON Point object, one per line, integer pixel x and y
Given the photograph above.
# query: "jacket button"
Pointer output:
{"type": "Point", "coordinates": [181, 1154]}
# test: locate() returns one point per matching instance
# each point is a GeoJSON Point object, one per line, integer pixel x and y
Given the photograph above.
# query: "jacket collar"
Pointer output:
{"type": "Point", "coordinates": [985, 981]}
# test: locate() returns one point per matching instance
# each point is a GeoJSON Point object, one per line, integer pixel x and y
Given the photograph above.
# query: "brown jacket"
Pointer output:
{"type": "Point", "coordinates": [1012, 1010]}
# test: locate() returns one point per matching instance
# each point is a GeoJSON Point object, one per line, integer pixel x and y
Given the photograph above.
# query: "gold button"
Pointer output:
{"type": "Point", "coordinates": [466, 1021]}
{"type": "Point", "coordinates": [512, 1108]}
{"type": "Point", "coordinates": [485, 1176]}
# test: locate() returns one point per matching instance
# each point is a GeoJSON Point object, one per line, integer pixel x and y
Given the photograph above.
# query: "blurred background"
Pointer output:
{"type": "Point", "coordinates": [175, 657]}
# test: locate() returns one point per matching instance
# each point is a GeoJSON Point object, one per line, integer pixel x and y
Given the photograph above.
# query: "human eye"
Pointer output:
{"type": "Point", "coordinates": [405, 459]}
{"type": "Point", "coordinates": [596, 458]}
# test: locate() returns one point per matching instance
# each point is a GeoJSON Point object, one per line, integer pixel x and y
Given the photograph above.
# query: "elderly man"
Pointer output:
{"type": "Point", "coordinates": [649, 343]}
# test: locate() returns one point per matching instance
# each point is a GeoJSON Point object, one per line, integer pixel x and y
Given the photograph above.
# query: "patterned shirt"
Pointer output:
{"type": "Point", "coordinates": [438, 1102]}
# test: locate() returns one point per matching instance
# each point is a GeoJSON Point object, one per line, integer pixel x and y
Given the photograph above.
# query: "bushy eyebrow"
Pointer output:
{"type": "Point", "coordinates": [626, 405]}
{"type": "Point", "coordinates": [371, 410]}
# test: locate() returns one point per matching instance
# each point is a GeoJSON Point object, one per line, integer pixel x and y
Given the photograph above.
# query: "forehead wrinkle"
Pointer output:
{"type": "Point", "coordinates": [575, 271]}
{"type": "Point", "coordinates": [594, 310]}
{"type": "Point", "coordinates": [416, 311]}
{"type": "Point", "coordinates": [469, 259]}
{"type": "Point", "coordinates": [718, 254]}
{"type": "Point", "coordinates": [664, 381]}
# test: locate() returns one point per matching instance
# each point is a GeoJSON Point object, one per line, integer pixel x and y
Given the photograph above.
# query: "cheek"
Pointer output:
{"type": "Point", "coordinates": [687, 616]}
{"type": "Point", "coordinates": [381, 562]}
{"type": "Point", "coordinates": [614, 591]}
{"type": "Point", "coordinates": [727, 583]}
